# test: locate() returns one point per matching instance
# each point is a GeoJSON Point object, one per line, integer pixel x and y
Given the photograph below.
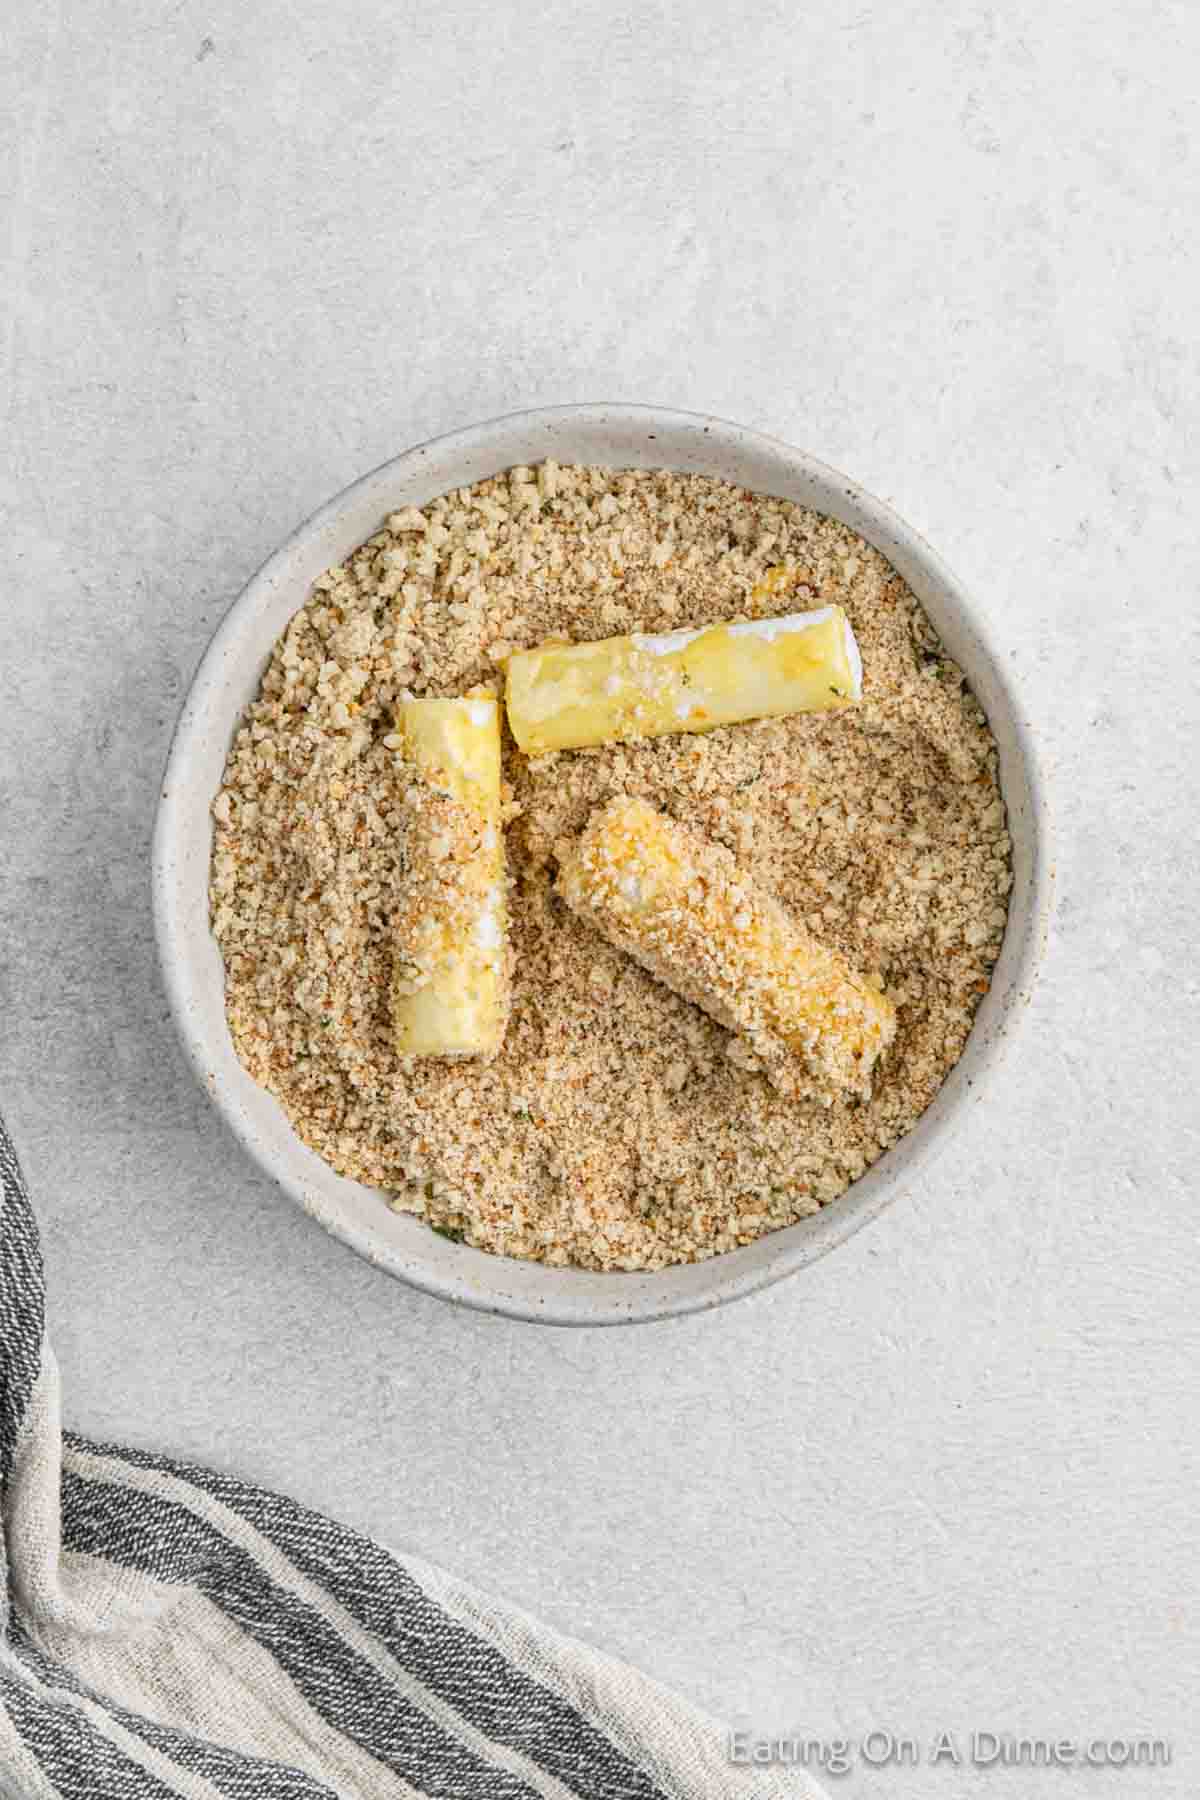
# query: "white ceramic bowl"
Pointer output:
{"type": "Point", "coordinates": [619, 437]}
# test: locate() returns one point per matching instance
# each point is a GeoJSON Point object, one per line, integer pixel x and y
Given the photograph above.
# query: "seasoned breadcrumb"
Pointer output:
{"type": "Point", "coordinates": [619, 1127]}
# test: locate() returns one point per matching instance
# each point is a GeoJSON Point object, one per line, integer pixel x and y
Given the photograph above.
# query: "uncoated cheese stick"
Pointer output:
{"type": "Point", "coordinates": [450, 988]}
{"type": "Point", "coordinates": [679, 905]}
{"type": "Point", "coordinates": [566, 696]}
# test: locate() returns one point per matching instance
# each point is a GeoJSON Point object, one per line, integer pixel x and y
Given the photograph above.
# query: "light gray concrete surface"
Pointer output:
{"type": "Point", "coordinates": [948, 1478]}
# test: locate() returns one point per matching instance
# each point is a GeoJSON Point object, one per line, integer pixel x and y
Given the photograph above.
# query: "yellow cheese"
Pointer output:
{"type": "Point", "coordinates": [565, 696]}
{"type": "Point", "coordinates": [450, 987]}
{"type": "Point", "coordinates": [680, 906]}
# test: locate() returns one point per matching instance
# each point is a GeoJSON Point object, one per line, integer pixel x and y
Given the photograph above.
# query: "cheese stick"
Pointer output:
{"type": "Point", "coordinates": [565, 696]}
{"type": "Point", "coordinates": [680, 906]}
{"type": "Point", "coordinates": [450, 986]}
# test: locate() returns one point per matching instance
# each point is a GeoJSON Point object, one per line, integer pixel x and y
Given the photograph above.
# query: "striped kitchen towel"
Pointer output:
{"type": "Point", "coordinates": [171, 1632]}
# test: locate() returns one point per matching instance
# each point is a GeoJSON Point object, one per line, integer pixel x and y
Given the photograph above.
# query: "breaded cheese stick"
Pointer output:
{"type": "Point", "coordinates": [450, 988]}
{"type": "Point", "coordinates": [680, 906]}
{"type": "Point", "coordinates": [565, 696]}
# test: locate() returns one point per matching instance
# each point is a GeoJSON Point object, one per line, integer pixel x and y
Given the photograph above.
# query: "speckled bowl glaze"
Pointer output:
{"type": "Point", "coordinates": [619, 437]}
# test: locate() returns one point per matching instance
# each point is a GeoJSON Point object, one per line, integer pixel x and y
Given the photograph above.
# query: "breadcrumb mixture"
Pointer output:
{"type": "Point", "coordinates": [619, 1127]}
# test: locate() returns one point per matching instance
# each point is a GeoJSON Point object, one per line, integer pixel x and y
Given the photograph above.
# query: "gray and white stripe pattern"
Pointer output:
{"type": "Point", "coordinates": [170, 1632]}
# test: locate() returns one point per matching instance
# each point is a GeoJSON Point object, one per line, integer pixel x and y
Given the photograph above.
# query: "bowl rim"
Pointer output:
{"type": "Point", "coordinates": [565, 1295]}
